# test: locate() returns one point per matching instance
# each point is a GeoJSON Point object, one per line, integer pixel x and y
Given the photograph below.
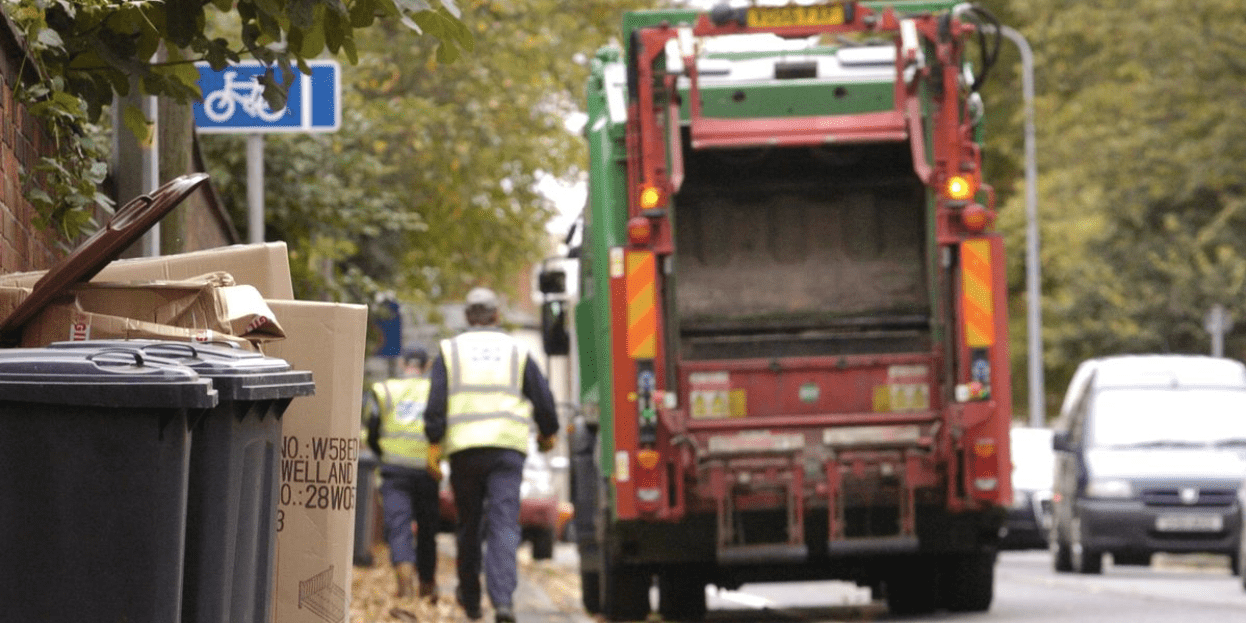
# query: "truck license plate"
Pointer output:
{"type": "Point", "coordinates": [815, 15]}
{"type": "Point", "coordinates": [1189, 522]}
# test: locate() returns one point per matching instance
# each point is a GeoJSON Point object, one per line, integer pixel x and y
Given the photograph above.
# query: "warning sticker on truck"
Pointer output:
{"type": "Point", "coordinates": [710, 396]}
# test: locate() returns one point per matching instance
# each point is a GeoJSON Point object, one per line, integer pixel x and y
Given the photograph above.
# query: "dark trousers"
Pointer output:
{"type": "Point", "coordinates": [486, 493]}
{"type": "Point", "coordinates": [408, 493]}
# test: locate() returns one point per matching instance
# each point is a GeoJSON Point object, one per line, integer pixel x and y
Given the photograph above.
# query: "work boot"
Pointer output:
{"type": "Point", "coordinates": [429, 590]}
{"type": "Point", "coordinates": [503, 614]}
{"type": "Point", "coordinates": [405, 572]}
{"type": "Point", "coordinates": [471, 610]}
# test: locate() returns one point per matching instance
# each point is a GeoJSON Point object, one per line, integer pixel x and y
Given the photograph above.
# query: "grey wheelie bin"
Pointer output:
{"type": "Point", "coordinates": [95, 448]}
{"type": "Point", "coordinates": [235, 458]}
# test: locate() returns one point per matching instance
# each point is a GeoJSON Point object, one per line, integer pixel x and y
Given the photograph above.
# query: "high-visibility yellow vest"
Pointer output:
{"type": "Point", "coordinates": [402, 403]}
{"type": "Point", "coordinates": [485, 405]}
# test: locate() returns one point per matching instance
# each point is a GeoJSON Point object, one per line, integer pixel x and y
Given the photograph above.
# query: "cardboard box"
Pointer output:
{"type": "Point", "coordinates": [319, 464]}
{"type": "Point", "coordinates": [210, 302]}
{"type": "Point", "coordinates": [265, 266]}
{"type": "Point", "coordinates": [207, 309]}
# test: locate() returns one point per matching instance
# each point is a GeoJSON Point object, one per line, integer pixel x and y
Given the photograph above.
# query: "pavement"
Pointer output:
{"type": "Point", "coordinates": [548, 591]}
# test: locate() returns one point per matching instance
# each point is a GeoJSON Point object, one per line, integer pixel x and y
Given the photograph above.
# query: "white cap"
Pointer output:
{"type": "Point", "coordinates": [482, 297]}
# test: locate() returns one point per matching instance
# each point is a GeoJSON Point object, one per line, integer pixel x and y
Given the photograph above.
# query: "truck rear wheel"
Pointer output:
{"type": "Point", "coordinates": [625, 593]}
{"type": "Point", "coordinates": [911, 588]}
{"type": "Point", "coordinates": [590, 591]}
{"type": "Point", "coordinates": [681, 594]}
{"type": "Point", "coordinates": [967, 583]}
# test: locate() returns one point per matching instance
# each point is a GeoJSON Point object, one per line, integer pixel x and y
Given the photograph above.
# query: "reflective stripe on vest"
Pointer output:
{"type": "Point", "coordinates": [485, 405]}
{"type": "Point", "coordinates": [402, 403]}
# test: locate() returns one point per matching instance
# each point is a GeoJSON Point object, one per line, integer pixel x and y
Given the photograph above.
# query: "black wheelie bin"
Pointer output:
{"type": "Point", "coordinates": [95, 446]}
{"type": "Point", "coordinates": [232, 511]}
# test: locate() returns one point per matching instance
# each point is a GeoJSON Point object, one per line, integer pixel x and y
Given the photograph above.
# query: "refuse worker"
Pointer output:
{"type": "Point", "coordinates": [486, 395]}
{"type": "Point", "coordinates": [408, 490]}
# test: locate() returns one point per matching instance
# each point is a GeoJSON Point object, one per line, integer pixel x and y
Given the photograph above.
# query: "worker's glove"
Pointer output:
{"type": "Point", "coordinates": [434, 461]}
{"type": "Point", "coordinates": [545, 443]}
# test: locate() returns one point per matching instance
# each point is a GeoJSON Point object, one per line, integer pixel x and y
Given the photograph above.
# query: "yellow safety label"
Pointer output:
{"type": "Point", "coordinates": [977, 294]}
{"type": "Point", "coordinates": [642, 314]}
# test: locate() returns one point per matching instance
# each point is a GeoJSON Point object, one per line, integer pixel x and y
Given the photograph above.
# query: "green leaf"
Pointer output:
{"type": "Point", "coordinates": [138, 125]}
{"type": "Point", "coordinates": [49, 38]}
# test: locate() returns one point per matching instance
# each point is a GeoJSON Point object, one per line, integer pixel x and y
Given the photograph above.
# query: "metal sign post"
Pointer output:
{"type": "Point", "coordinates": [233, 103]}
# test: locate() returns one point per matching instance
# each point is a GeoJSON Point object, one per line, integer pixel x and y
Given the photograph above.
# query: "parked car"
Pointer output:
{"type": "Point", "coordinates": [1033, 465]}
{"type": "Point", "coordinates": [1148, 460]}
{"type": "Point", "coordinates": [540, 517]}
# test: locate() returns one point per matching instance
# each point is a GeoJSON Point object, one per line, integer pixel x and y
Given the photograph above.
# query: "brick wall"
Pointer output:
{"type": "Point", "coordinates": [22, 143]}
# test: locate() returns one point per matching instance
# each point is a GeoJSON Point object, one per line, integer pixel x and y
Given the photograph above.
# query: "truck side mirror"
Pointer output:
{"type": "Point", "coordinates": [552, 282]}
{"type": "Point", "coordinates": [554, 336]}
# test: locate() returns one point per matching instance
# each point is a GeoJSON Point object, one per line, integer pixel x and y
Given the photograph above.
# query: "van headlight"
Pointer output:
{"type": "Point", "coordinates": [1109, 488]}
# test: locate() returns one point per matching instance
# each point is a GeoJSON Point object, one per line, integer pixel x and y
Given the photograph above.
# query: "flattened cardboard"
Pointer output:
{"type": "Point", "coordinates": [67, 322]}
{"type": "Point", "coordinates": [265, 266]}
{"type": "Point", "coordinates": [193, 310]}
{"type": "Point", "coordinates": [320, 453]}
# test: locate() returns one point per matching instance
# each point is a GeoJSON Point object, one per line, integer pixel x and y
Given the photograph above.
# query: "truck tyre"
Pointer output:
{"type": "Point", "coordinates": [911, 589]}
{"type": "Point", "coordinates": [968, 582]}
{"type": "Point", "coordinates": [625, 593]}
{"type": "Point", "coordinates": [590, 591]}
{"type": "Point", "coordinates": [681, 594]}
{"type": "Point", "coordinates": [1061, 553]}
{"type": "Point", "coordinates": [543, 543]}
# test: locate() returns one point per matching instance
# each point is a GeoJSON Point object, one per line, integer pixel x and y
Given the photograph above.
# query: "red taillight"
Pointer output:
{"type": "Point", "coordinates": [639, 230]}
{"type": "Point", "coordinates": [975, 218]}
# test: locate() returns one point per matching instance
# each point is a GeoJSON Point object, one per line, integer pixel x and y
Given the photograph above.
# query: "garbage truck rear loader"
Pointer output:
{"type": "Point", "coordinates": [791, 324]}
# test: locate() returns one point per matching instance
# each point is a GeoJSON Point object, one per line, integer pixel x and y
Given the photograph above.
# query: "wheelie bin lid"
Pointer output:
{"type": "Point", "coordinates": [101, 377]}
{"type": "Point", "coordinates": [89, 258]}
{"type": "Point", "coordinates": [237, 374]}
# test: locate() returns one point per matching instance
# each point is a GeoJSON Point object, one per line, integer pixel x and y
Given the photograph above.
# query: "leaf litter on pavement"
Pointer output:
{"type": "Point", "coordinates": [373, 589]}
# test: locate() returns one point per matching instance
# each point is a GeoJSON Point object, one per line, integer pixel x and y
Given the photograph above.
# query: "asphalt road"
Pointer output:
{"type": "Point", "coordinates": [1172, 590]}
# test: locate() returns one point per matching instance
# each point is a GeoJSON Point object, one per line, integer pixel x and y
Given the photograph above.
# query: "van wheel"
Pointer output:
{"type": "Point", "coordinates": [1085, 560]}
{"type": "Point", "coordinates": [1061, 553]}
{"type": "Point", "coordinates": [1131, 559]}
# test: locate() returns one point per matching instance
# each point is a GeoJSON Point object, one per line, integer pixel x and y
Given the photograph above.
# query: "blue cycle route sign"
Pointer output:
{"type": "Point", "coordinates": [233, 101]}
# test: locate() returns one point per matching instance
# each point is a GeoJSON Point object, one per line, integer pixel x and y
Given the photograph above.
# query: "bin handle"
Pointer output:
{"type": "Point", "coordinates": [137, 354]}
{"type": "Point", "coordinates": [156, 348]}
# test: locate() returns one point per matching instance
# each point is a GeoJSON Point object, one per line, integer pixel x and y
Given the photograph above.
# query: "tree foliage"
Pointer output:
{"type": "Point", "coordinates": [429, 187]}
{"type": "Point", "coordinates": [89, 50]}
{"type": "Point", "coordinates": [1141, 133]}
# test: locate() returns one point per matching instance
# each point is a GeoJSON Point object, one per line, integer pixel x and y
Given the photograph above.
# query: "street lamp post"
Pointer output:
{"type": "Point", "coordinates": [1034, 313]}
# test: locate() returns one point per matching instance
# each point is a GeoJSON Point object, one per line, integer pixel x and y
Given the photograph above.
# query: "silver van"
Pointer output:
{"type": "Point", "coordinates": [1149, 458]}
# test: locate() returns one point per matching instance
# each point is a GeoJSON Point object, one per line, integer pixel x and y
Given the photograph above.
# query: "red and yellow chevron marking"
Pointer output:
{"type": "Point", "coordinates": [976, 297]}
{"type": "Point", "coordinates": [642, 314]}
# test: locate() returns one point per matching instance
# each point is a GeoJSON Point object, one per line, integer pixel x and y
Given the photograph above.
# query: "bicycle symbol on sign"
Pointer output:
{"type": "Point", "coordinates": [219, 105]}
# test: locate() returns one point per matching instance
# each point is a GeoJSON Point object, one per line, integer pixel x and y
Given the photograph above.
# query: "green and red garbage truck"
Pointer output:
{"type": "Point", "coordinates": [791, 318]}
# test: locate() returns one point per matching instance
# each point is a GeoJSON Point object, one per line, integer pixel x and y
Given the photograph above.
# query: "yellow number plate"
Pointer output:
{"type": "Point", "coordinates": [815, 15]}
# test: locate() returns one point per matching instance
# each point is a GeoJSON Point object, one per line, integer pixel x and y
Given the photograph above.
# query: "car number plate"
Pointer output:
{"type": "Point", "coordinates": [813, 15]}
{"type": "Point", "coordinates": [1189, 522]}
